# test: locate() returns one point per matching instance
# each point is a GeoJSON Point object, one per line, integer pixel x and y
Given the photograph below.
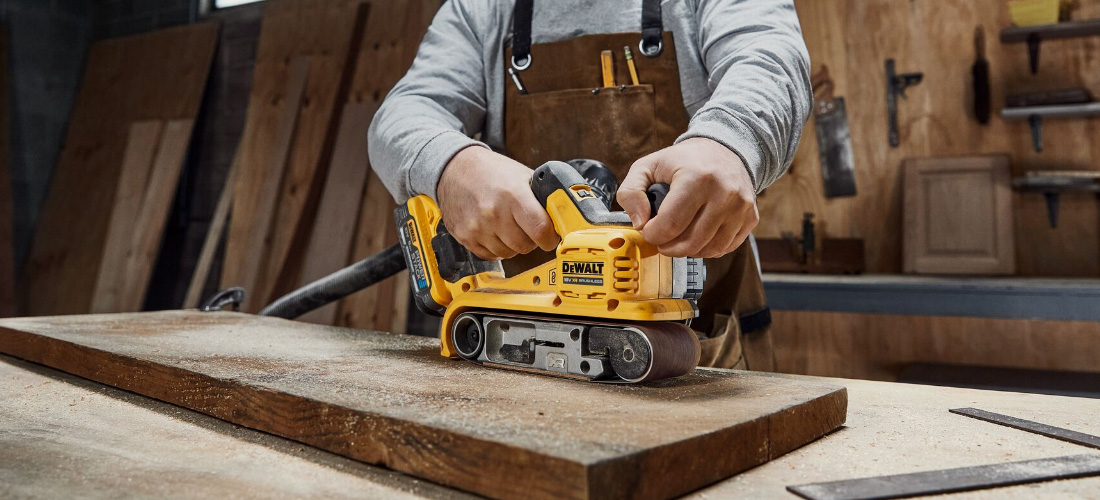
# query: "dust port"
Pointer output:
{"type": "Point", "coordinates": [536, 281]}
{"type": "Point", "coordinates": [575, 335]}
{"type": "Point", "coordinates": [617, 243]}
{"type": "Point", "coordinates": [585, 366]}
{"type": "Point", "coordinates": [612, 305]}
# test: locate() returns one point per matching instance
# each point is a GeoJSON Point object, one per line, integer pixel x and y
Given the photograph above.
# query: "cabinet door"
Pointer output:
{"type": "Point", "coordinates": [958, 216]}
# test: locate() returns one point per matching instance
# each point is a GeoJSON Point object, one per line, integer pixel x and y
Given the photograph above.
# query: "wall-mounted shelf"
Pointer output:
{"type": "Point", "coordinates": [1033, 35]}
{"type": "Point", "coordinates": [1035, 114]}
{"type": "Point", "coordinates": [1053, 183]}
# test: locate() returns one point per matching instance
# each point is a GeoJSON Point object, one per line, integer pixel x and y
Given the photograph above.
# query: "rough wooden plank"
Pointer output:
{"type": "Point", "coordinates": [153, 214]}
{"type": "Point", "coordinates": [141, 148]}
{"type": "Point", "coordinates": [158, 75]}
{"type": "Point", "coordinates": [65, 437]}
{"type": "Point", "coordinates": [321, 30]}
{"type": "Point", "coordinates": [334, 229]}
{"type": "Point", "coordinates": [213, 240]}
{"type": "Point", "coordinates": [242, 267]}
{"type": "Point", "coordinates": [392, 400]}
{"type": "Point", "coordinates": [371, 309]}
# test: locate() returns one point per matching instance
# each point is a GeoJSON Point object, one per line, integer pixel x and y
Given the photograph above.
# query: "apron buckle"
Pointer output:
{"type": "Point", "coordinates": [521, 66]}
{"type": "Point", "coordinates": [646, 49]}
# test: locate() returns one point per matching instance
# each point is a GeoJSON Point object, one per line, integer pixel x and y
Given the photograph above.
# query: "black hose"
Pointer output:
{"type": "Point", "coordinates": [338, 285]}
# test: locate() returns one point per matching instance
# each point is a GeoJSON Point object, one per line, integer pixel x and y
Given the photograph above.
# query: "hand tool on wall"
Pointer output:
{"type": "Point", "coordinates": [980, 73]}
{"type": "Point", "coordinates": [895, 86]}
{"type": "Point", "coordinates": [834, 138]}
{"type": "Point", "coordinates": [608, 308]}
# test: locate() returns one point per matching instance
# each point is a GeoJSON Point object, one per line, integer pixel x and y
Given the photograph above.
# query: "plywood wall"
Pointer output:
{"type": "Point", "coordinates": [854, 38]}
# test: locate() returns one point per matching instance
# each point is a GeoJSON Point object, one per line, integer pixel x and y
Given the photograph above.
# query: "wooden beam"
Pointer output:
{"type": "Point", "coordinates": [392, 400]}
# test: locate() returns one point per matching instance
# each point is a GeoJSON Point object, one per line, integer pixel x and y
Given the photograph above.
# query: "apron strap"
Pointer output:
{"type": "Point", "coordinates": [651, 44]}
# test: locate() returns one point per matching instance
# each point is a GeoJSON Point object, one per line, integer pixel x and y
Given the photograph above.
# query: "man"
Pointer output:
{"type": "Point", "coordinates": [708, 96]}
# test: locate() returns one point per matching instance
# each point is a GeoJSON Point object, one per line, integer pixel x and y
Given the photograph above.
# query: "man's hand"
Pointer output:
{"type": "Point", "coordinates": [710, 208]}
{"type": "Point", "coordinates": [488, 205]}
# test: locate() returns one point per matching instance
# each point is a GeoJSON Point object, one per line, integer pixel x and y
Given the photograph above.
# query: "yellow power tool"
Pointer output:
{"type": "Point", "coordinates": [608, 308]}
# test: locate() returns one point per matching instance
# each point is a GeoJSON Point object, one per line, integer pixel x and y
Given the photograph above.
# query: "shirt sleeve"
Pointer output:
{"type": "Point", "coordinates": [433, 110]}
{"type": "Point", "coordinates": [759, 76]}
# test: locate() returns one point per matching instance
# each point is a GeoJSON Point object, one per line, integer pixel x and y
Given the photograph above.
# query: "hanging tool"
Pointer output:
{"type": "Point", "coordinates": [895, 86]}
{"type": "Point", "coordinates": [608, 308]}
{"type": "Point", "coordinates": [980, 73]}
{"type": "Point", "coordinates": [834, 138]}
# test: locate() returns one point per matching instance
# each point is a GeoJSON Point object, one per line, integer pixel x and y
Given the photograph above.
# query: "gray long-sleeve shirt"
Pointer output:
{"type": "Point", "coordinates": [744, 75]}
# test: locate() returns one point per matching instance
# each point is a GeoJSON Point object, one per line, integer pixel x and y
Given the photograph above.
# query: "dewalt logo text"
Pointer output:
{"type": "Point", "coordinates": [590, 268]}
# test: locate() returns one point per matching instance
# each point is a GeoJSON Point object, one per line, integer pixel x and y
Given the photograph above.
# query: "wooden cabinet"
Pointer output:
{"type": "Point", "coordinates": [958, 216]}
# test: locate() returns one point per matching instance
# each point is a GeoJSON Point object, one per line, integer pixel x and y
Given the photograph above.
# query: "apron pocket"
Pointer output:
{"type": "Point", "coordinates": [611, 124]}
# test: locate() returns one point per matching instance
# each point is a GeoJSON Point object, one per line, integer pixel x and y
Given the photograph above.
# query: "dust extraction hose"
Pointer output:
{"type": "Point", "coordinates": [338, 285]}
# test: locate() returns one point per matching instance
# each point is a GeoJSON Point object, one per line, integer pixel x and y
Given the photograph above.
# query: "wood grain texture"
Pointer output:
{"type": "Point", "coordinates": [392, 400]}
{"type": "Point", "coordinates": [853, 38]}
{"type": "Point", "coordinates": [152, 217]}
{"type": "Point", "coordinates": [957, 216]}
{"type": "Point", "coordinates": [158, 75]}
{"type": "Point", "coordinates": [213, 240]}
{"type": "Point", "coordinates": [393, 33]}
{"type": "Point", "coordinates": [70, 438]}
{"type": "Point", "coordinates": [334, 229]}
{"type": "Point", "coordinates": [7, 205]}
{"type": "Point", "coordinates": [879, 346]}
{"type": "Point", "coordinates": [141, 148]}
{"type": "Point", "coordinates": [323, 31]}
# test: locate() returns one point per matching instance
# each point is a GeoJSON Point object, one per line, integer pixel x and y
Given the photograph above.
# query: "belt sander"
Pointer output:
{"type": "Point", "coordinates": [608, 308]}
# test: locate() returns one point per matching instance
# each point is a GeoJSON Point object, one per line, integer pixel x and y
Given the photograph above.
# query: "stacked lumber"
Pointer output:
{"type": "Point", "coordinates": [7, 219]}
{"type": "Point", "coordinates": [127, 140]}
{"type": "Point", "coordinates": [304, 200]}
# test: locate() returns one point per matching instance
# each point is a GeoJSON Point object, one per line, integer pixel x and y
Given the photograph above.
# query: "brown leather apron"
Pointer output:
{"type": "Point", "coordinates": [567, 113]}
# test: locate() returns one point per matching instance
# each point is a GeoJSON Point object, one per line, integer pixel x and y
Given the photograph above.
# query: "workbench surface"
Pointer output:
{"type": "Point", "coordinates": [63, 436]}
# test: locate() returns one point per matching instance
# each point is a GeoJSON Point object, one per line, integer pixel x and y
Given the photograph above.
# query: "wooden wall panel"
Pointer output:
{"type": "Point", "coordinates": [879, 346]}
{"type": "Point", "coordinates": [158, 75]}
{"type": "Point", "coordinates": [854, 38]}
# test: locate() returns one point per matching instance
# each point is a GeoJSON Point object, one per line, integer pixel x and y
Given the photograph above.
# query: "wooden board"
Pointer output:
{"type": "Point", "coordinates": [133, 180]}
{"type": "Point", "coordinates": [880, 346]}
{"type": "Point", "coordinates": [393, 34]}
{"type": "Point", "coordinates": [158, 75]}
{"type": "Point", "coordinates": [392, 400]}
{"type": "Point", "coordinates": [854, 38]}
{"type": "Point", "coordinates": [334, 229]}
{"type": "Point", "coordinates": [262, 234]}
{"type": "Point", "coordinates": [958, 216]}
{"type": "Point", "coordinates": [66, 437]}
{"type": "Point", "coordinates": [7, 207]}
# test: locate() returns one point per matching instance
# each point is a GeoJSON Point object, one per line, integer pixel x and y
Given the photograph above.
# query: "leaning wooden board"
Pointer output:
{"type": "Point", "coordinates": [159, 75]}
{"type": "Point", "coordinates": [392, 400]}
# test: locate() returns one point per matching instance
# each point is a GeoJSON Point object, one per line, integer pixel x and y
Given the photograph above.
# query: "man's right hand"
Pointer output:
{"type": "Point", "coordinates": [488, 205]}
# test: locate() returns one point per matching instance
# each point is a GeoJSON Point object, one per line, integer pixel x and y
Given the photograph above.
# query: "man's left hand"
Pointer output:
{"type": "Point", "coordinates": [710, 208]}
